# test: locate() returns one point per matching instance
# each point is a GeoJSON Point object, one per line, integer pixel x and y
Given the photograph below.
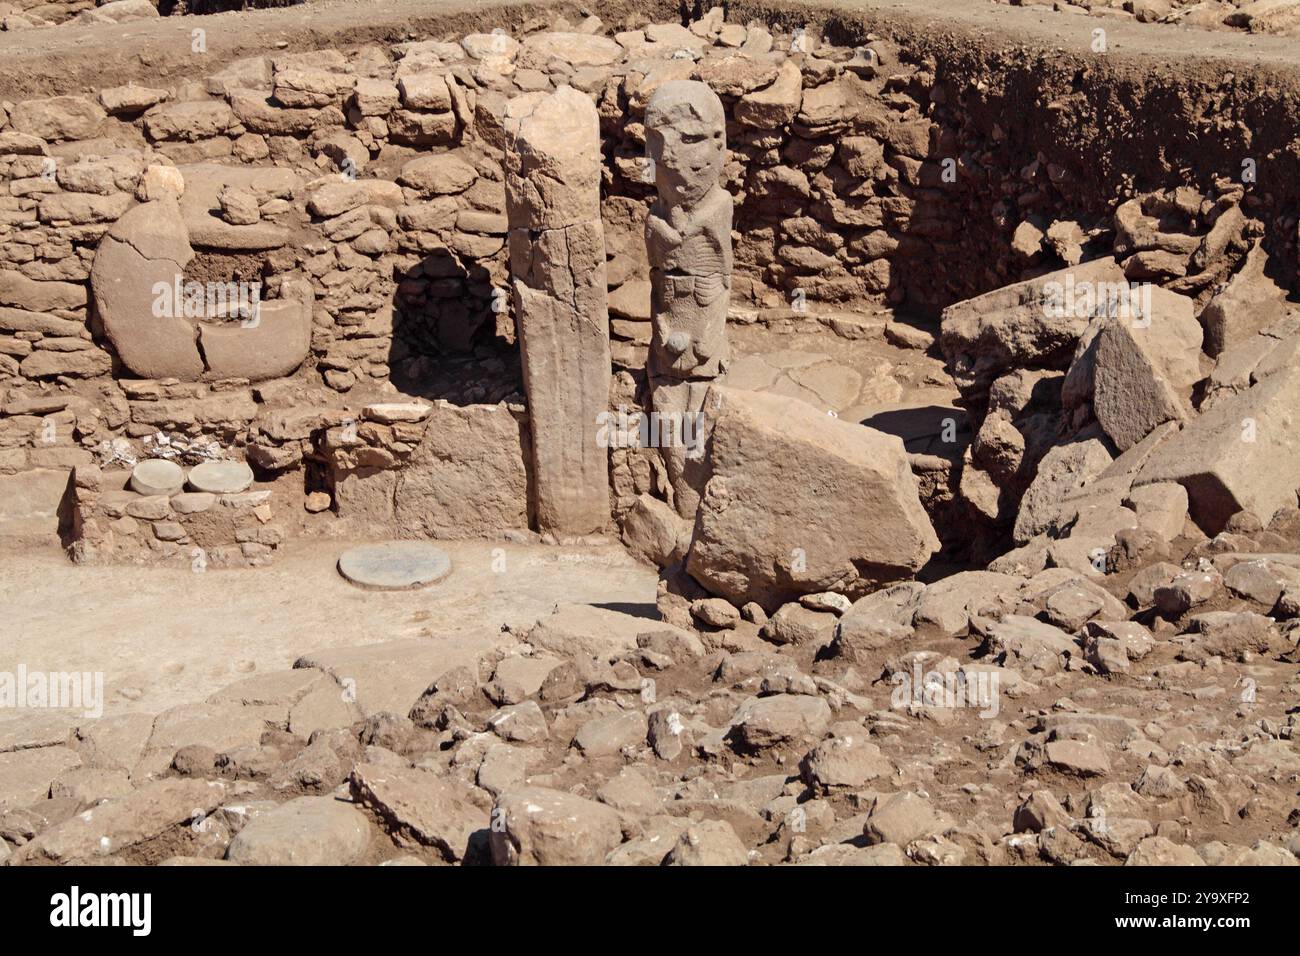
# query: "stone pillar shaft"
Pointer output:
{"type": "Point", "coordinates": [557, 267]}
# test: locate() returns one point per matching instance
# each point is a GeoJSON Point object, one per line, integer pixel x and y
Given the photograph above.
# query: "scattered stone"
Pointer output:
{"type": "Point", "coordinates": [421, 808]}
{"type": "Point", "coordinates": [716, 613]}
{"type": "Point", "coordinates": [1159, 851]}
{"type": "Point", "coordinates": [946, 605]}
{"type": "Point", "coordinates": [1040, 811]}
{"type": "Point", "coordinates": [536, 826]}
{"type": "Point", "coordinates": [708, 843]}
{"type": "Point", "coordinates": [523, 722]}
{"type": "Point", "coordinates": [903, 817]}
{"type": "Point", "coordinates": [1235, 635]}
{"type": "Point", "coordinates": [1076, 757]}
{"type": "Point", "coordinates": [667, 734]}
{"type": "Point", "coordinates": [1185, 591]}
{"type": "Point", "coordinates": [1023, 641]}
{"type": "Point", "coordinates": [795, 624]}
{"type": "Point", "coordinates": [1111, 646]}
{"type": "Point", "coordinates": [603, 736]}
{"type": "Point", "coordinates": [766, 722]}
{"type": "Point", "coordinates": [123, 823]}
{"type": "Point", "coordinates": [307, 831]}
{"type": "Point", "coordinates": [846, 762]}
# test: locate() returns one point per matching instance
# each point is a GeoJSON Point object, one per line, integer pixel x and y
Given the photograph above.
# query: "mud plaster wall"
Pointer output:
{"type": "Point", "coordinates": [840, 192]}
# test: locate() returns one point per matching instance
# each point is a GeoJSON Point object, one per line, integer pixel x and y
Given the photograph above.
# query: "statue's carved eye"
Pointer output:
{"type": "Point", "coordinates": [692, 138]}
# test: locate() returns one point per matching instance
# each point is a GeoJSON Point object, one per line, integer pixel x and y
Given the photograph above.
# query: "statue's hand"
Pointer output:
{"type": "Point", "coordinates": [662, 233]}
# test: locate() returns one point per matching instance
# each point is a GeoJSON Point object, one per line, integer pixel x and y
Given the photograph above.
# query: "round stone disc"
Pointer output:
{"type": "Point", "coordinates": [394, 565]}
{"type": "Point", "coordinates": [221, 477]}
{"type": "Point", "coordinates": [157, 476]}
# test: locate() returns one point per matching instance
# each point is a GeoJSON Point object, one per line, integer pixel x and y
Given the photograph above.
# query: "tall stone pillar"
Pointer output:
{"type": "Point", "coordinates": [557, 267]}
{"type": "Point", "coordinates": [688, 240]}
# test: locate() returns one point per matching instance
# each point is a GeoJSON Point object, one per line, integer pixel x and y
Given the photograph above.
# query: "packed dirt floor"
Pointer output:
{"type": "Point", "coordinates": [164, 637]}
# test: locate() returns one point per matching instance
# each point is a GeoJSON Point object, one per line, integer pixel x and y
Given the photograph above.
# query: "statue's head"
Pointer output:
{"type": "Point", "coordinates": [686, 133]}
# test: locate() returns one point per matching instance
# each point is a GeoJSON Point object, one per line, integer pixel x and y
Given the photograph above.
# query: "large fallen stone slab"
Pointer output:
{"type": "Point", "coordinates": [34, 729]}
{"type": "Point", "coordinates": [1243, 364]}
{"type": "Point", "coordinates": [273, 695]}
{"type": "Point", "coordinates": [1250, 302]}
{"type": "Point", "coordinates": [1031, 324]}
{"type": "Point", "coordinates": [800, 502]}
{"type": "Point", "coordinates": [1144, 367]}
{"type": "Point", "coordinates": [1063, 472]}
{"type": "Point", "coordinates": [114, 742]}
{"type": "Point", "coordinates": [1241, 455]}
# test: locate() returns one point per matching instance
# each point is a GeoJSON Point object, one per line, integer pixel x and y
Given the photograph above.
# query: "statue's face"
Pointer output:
{"type": "Point", "coordinates": [687, 152]}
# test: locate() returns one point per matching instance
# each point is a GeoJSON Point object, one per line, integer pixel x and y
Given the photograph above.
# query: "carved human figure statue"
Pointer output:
{"type": "Point", "coordinates": [688, 232]}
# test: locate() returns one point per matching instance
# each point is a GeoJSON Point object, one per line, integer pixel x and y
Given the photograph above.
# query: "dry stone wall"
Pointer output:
{"type": "Point", "coordinates": [358, 199]}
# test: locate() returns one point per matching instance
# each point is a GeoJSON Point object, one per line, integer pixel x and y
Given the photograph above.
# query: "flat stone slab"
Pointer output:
{"type": "Point", "coordinates": [29, 506]}
{"type": "Point", "coordinates": [157, 476]}
{"type": "Point", "coordinates": [221, 477]}
{"type": "Point", "coordinates": [394, 565]}
{"type": "Point", "coordinates": [390, 413]}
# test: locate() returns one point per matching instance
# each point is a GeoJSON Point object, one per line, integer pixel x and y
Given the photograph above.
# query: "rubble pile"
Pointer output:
{"type": "Point", "coordinates": [989, 718]}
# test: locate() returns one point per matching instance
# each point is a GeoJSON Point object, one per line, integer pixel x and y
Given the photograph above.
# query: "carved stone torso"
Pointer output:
{"type": "Point", "coordinates": [689, 247]}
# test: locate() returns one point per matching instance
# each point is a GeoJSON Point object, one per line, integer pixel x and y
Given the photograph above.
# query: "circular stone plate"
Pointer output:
{"type": "Point", "coordinates": [394, 566]}
{"type": "Point", "coordinates": [221, 477]}
{"type": "Point", "coordinates": [157, 476]}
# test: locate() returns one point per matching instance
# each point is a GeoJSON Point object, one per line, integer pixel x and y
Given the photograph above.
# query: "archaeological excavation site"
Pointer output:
{"type": "Point", "coordinates": [638, 433]}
